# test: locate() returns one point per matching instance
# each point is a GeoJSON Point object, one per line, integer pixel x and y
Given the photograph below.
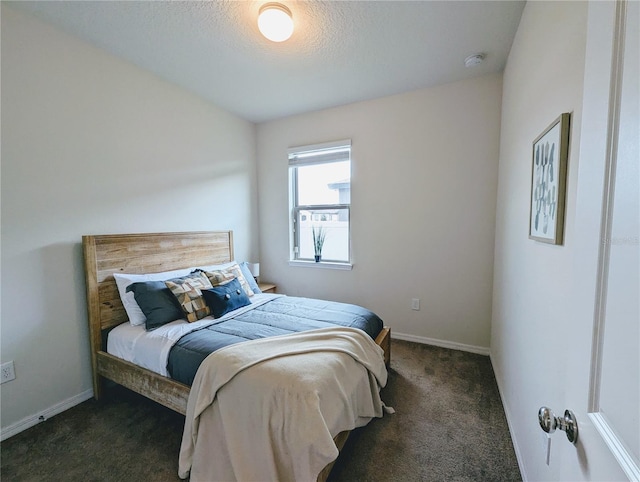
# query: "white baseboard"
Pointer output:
{"type": "Point", "coordinates": [480, 350]}
{"type": "Point", "coordinates": [32, 420]}
{"type": "Point", "coordinates": [516, 448]}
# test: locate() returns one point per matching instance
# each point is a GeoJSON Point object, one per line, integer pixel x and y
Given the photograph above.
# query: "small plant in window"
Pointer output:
{"type": "Point", "coordinates": [319, 234]}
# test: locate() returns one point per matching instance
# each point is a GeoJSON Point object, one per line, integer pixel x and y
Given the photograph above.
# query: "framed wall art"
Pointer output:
{"type": "Point", "coordinates": [548, 182]}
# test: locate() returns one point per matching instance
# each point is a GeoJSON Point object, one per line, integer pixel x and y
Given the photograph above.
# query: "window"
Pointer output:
{"type": "Point", "coordinates": [320, 199]}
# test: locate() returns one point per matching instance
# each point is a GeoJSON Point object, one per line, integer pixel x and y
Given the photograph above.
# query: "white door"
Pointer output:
{"type": "Point", "coordinates": [604, 353]}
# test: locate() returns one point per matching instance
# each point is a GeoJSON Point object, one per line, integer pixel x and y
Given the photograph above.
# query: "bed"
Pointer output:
{"type": "Point", "coordinates": [106, 255]}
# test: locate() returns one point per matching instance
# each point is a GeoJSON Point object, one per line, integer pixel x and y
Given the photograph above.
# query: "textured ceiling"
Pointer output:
{"type": "Point", "coordinates": [340, 51]}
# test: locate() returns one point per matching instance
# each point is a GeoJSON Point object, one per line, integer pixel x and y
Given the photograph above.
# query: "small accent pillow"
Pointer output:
{"type": "Point", "coordinates": [156, 302]}
{"type": "Point", "coordinates": [188, 292]}
{"type": "Point", "coordinates": [224, 298]}
{"type": "Point", "coordinates": [222, 276]}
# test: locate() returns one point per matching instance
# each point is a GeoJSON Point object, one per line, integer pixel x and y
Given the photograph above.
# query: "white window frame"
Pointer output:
{"type": "Point", "coordinates": [315, 154]}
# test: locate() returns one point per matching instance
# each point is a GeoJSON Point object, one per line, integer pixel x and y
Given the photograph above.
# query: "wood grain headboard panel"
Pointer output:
{"type": "Point", "coordinates": [142, 253]}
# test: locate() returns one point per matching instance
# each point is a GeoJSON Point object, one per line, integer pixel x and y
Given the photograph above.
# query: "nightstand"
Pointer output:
{"type": "Point", "coordinates": [267, 287]}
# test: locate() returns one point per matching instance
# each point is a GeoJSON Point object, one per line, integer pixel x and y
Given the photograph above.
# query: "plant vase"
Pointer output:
{"type": "Point", "coordinates": [318, 241]}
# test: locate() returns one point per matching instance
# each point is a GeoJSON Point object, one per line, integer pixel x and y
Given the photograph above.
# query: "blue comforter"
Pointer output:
{"type": "Point", "coordinates": [280, 316]}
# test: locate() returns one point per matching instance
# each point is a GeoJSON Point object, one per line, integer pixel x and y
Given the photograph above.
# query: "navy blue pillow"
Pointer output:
{"type": "Point", "coordinates": [224, 298]}
{"type": "Point", "coordinates": [157, 302]}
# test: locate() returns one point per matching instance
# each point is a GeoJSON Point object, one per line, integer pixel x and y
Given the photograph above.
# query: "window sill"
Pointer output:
{"type": "Point", "coordinates": [321, 264]}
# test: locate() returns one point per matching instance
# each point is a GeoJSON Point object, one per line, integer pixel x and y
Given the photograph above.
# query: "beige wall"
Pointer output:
{"type": "Point", "coordinates": [424, 173]}
{"type": "Point", "coordinates": [91, 145]}
{"type": "Point", "coordinates": [533, 310]}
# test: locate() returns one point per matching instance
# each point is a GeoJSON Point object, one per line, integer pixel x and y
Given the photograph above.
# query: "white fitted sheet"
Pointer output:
{"type": "Point", "coordinates": [150, 349]}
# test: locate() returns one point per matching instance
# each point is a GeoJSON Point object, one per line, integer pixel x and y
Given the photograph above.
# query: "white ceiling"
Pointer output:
{"type": "Point", "coordinates": [340, 51]}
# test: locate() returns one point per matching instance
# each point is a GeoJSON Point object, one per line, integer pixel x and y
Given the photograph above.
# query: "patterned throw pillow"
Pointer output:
{"type": "Point", "coordinates": [188, 292]}
{"type": "Point", "coordinates": [225, 275]}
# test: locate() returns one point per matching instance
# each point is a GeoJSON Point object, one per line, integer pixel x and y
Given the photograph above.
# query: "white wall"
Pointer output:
{"type": "Point", "coordinates": [94, 145]}
{"type": "Point", "coordinates": [424, 173]}
{"type": "Point", "coordinates": [533, 318]}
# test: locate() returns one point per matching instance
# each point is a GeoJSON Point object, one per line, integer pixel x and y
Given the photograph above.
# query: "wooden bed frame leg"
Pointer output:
{"type": "Point", "coordinates": [339, 440]}
{"type": "Point", "coordinates": [384, 341]}
{"type": "Point", "coordinates": [98, 387]}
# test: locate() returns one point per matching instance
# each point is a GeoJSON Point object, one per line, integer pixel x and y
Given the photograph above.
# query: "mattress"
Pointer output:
{"type": "Point", "coordinates": [150, 349]}
{"type": "Point", "coordinates": [178, 348]}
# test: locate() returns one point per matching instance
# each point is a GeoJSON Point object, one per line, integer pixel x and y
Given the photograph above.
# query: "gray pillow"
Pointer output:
{"type": "Point", "coordinates": [244, 266]}
{"type": "Point", "coordinates": [156, 302]}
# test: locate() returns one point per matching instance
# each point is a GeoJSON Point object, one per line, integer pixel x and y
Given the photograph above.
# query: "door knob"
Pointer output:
{"type": "Point", "coordinates": [549, 422]}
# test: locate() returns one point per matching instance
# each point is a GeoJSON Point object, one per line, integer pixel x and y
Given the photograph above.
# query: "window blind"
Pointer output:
{"type": "Point", "coordinates": [320, 153]}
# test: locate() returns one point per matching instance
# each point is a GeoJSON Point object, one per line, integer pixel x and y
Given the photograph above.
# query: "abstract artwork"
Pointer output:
{"type": "Point", "coordinates": [548, 182]}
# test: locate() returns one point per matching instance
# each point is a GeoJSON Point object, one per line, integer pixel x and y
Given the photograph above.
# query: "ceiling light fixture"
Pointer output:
{"type": "Point", "coordinates": [275, 22]}
{"type": "Point", "coordinates": [473, 60]}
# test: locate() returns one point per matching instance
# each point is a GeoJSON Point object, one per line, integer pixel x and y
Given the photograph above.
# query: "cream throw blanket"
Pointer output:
{"type": "Point", "coordinates": [268, 409]}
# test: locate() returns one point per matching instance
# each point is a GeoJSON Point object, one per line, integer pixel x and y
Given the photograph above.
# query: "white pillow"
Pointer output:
{"type": "Point", "coordinates": [135, 314]}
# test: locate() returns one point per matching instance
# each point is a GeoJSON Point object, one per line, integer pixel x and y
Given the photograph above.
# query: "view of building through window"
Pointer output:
{"type": "Point", "coordinates": [323, 195]}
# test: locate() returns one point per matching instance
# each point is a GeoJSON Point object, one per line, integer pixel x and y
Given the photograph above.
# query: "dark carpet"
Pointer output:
{"type": "Point", "coordinates": [449, 425]}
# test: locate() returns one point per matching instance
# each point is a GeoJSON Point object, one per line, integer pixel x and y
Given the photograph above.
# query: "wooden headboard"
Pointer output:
{"type": "Point", "coordinates": [143, 253]}
{"type": "Point", "coordinates": [137, 254]}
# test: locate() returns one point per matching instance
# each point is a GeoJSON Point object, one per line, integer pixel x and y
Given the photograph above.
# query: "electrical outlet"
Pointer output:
{"type": "Point", "coordinates": [415, 304]}
{"type": "Point", "coordinates": [7, 372]}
